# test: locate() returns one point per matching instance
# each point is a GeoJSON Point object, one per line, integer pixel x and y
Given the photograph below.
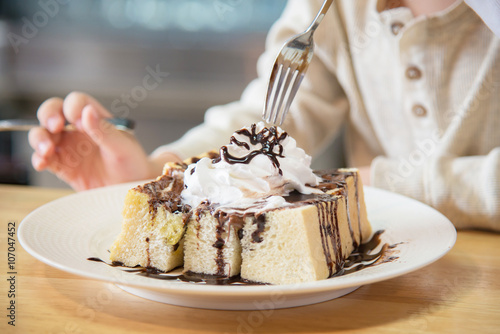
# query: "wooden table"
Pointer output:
{"type": "Point", "coordinates": [460, 293]}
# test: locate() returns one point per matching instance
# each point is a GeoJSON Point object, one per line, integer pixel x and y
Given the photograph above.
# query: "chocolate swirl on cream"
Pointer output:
{"type": "Point", "coordinates": [267, 138]}
{"type": "Point", "coordinates": [255, 170]}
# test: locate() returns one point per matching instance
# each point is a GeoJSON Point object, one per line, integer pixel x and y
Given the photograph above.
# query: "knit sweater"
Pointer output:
{"type": "Point", "coordinates": [419, 98]}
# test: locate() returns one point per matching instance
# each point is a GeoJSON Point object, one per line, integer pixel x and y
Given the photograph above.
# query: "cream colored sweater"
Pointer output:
{"type": "Point", "coordinates": [420, 98]}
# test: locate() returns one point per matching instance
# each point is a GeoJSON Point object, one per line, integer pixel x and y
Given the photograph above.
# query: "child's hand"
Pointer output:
{"type": "Point", "coordinates": [95, 154]}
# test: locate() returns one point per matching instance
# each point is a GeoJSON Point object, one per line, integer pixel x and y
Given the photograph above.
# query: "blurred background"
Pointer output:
{"type": "Point", "coordinates": [106, 47]}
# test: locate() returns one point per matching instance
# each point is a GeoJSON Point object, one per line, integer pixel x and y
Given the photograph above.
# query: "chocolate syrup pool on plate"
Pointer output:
{"type": "Point", "coordinates": [371, 253]}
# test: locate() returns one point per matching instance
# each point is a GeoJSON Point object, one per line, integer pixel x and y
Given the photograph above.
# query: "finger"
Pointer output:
{"type": "Point", "coordinates": [54, 165]}
{"type": "Point", "coordinates": [104, 134]}
{"type": "Point", "coordinates": [42, 141]}
{"type": "Point", "coordinates": [74, 104]}
{"type": "Point", "coordinates": [39, 163]}
{"type": "Point", "coordinates": [50, 114]}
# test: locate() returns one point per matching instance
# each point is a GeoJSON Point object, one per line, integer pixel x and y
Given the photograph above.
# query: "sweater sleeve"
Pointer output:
{"type": "Point", "coordinates": [465, 189]}
{"type": "Point", "coordinates": [318, 109]}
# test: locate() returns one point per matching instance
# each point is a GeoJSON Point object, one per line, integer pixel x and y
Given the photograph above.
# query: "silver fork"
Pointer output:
{"type": "Point", "coordinates": [123, 124]}
{"type": "Point", "coordinates": [289, 69]}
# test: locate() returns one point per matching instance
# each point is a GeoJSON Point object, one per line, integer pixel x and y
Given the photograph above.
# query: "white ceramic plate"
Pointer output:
{"type": "Point", "coordinates": [67, 231]}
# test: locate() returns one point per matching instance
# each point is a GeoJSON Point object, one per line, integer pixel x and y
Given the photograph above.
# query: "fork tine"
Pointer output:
{"type": "Point", "coordinates": [278, 95]}
{"type": "Point", "coordinates": [293, 92]}
{"type": "Point", "coordinates": [275, 73]}
{"type": "Point", "coordinates": [279, 91]}
{"type": "Point", "coordinates": [291, 72]}
{"type": "Point", "coordinates": [283, 73]}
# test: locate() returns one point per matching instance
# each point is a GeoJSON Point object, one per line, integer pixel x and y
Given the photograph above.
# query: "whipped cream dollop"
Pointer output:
{"type": "Point", "coordinates": [259, 166]}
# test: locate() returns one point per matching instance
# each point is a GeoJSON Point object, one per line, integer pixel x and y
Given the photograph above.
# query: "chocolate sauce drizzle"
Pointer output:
{"type": "Point", "coordinates": [220, 242]}
{"type": "Point", "coordinates": [169, 200]}
{"type": "Point", "coordinates": [227, 222]}
{"type": "Point", "coordinates": [260, 221]}
{"type": "Point", "coordinates": [365, 256]}
{"type": "Point", "coordinates": [337, 180]}
{"type": "Point", "coordinates": [269, 141]}
{"type": "Point", "coordinates": [333, 183]}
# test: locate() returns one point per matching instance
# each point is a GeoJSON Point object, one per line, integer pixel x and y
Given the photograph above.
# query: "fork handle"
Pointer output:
{"type": "Point", "coordinates": [319, 17]}
{"type": "Point", "coordinates": [124, 124]}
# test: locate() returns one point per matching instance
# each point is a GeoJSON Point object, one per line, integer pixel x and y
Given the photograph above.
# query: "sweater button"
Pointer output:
{"type": "Point", "coordinates": [396, 27]}
{"type": "Point", "coordinates": [413, 73]}
{"type": "Point", "coordinates": [419, 110]}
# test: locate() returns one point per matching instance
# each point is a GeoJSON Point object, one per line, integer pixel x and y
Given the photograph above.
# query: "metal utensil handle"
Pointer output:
{"type": "Point", "coordinates": [124, 124]}
{"type": "Point", "coordinates": [319, 17]}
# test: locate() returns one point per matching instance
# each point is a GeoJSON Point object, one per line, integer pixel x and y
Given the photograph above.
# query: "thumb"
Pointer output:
{"type": "Point", "coordinates": [103, 133]}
